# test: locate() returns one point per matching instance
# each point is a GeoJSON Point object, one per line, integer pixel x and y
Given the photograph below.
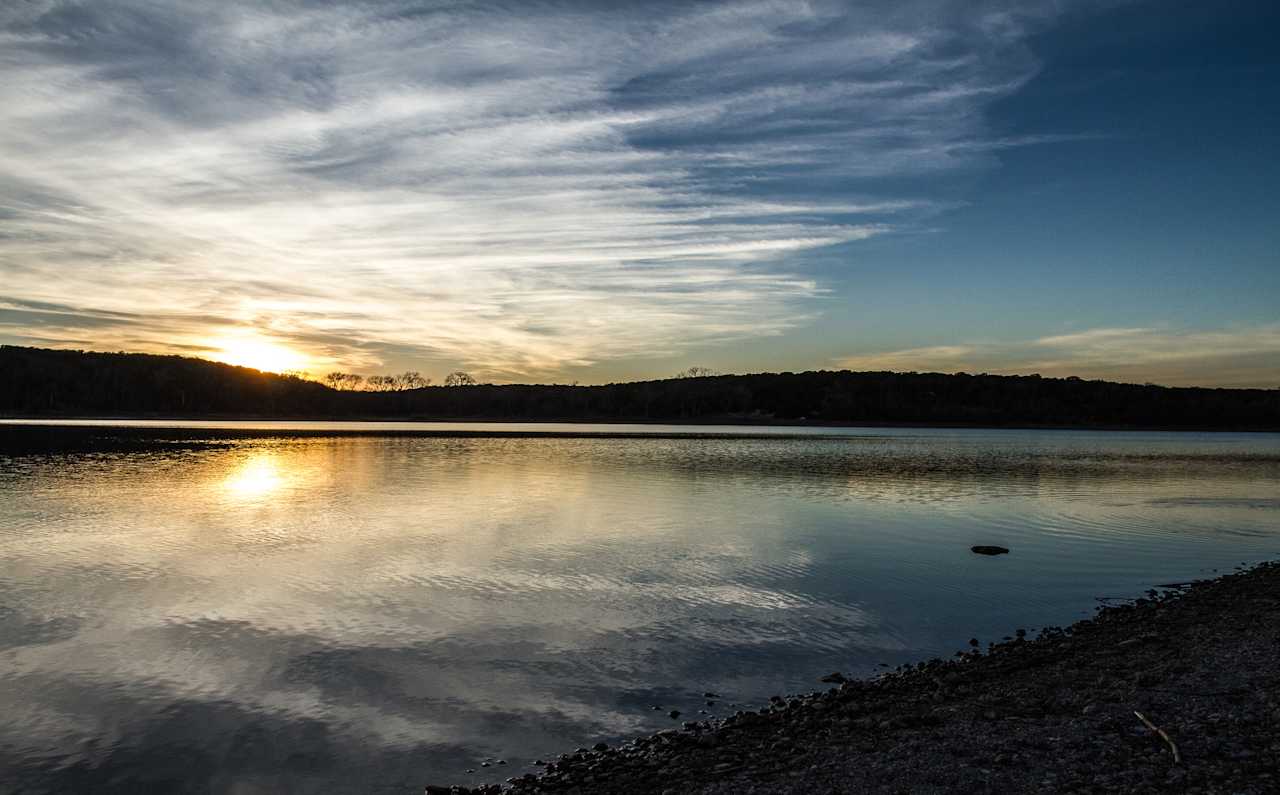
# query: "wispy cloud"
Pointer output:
{"type": "Point", "coordinates": [519, 189]}
{"type": "Point", "coordinates": [1237, 357]}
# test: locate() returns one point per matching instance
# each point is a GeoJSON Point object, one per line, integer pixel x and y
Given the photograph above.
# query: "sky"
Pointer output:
{"type": "Point", "coordinates": [596, 191]}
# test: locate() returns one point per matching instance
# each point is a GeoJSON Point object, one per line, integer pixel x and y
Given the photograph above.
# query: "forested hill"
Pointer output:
{"type": "Point", "coordinates": [39, 382]}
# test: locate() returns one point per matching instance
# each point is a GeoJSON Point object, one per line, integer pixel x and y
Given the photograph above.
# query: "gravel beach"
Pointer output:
{"type": "Point", "coordinates": [1179, 692]}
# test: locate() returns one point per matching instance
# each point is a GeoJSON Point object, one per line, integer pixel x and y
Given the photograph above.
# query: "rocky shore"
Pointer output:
{"type": "Point", "coordinates": [1178, 692]}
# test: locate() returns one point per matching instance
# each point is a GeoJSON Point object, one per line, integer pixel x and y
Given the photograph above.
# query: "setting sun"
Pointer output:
{"type": "Point", "coordinates": [258, 354]}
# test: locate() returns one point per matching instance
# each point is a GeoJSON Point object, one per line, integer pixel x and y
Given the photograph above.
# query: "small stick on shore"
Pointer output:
{"type": "Point", "coordinates": [1177, 757]}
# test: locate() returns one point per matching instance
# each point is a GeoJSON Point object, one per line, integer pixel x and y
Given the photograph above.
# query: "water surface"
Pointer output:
{"type": "Point", "coordinates": [266, 607]}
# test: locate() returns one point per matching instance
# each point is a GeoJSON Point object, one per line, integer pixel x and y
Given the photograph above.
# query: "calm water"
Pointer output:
{"type": "Point", "coordinates": [346, 613]}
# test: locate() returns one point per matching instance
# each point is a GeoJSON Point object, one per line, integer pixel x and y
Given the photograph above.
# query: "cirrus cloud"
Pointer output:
{"type": "Point", "coordinates": [1235, 357]}
{"type": "Point", "coordinates": [520, 190]}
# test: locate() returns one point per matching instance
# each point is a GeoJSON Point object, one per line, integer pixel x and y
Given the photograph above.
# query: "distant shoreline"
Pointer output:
{"type": "Point", "coordinates": [739, 422]}
{"type": "Point", "coordinates": [43, 383]}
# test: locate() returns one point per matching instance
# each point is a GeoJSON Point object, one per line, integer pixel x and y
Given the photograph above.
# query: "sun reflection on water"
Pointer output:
{"type": "Point", "coordinates": [385, 597]}
{"type": "Point", "coordinates": [259, 476]}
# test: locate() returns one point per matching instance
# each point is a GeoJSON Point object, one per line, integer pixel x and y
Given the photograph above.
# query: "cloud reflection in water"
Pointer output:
{"type": "Point", "coordinates": [365, 614]}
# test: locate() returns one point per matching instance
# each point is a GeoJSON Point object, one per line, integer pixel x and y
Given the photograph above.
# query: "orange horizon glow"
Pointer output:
{"type": "Point", "coordinates": [259, 354]}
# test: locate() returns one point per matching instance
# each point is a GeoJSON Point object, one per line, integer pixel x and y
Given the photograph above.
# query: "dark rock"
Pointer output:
{"type": "Point", "coordinates": [675, 713]}
{"type": "Point", "coordinates": [834, 678]}
{"type": "Point", "coordinates": [983, 549]}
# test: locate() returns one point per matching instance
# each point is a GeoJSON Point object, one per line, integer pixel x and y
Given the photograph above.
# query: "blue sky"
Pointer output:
{"type": "Point", "coordinates": [594, 192]}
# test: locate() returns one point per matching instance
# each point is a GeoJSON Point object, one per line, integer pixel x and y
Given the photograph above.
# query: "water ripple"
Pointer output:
{"type": "Point", "coordinates": [347, 614]}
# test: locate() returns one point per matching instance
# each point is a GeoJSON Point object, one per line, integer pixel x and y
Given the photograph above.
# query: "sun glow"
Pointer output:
{"type": "Point", "coordinates": [258, 354]}
{"type": "Point", "coordinates": [255, 478]}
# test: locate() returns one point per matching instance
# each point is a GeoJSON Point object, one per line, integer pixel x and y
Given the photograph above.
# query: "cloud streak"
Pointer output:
{"type": "Point", "coordinates": [1236, 357]}
{"type": "Point", "coordinates": [521, 190]}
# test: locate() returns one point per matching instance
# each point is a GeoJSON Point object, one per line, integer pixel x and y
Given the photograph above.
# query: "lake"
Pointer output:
{"type": "Point", "coordinates": [306, 607]}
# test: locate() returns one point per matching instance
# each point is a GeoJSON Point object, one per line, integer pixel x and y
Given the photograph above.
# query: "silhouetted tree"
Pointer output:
{"type": "Point", "coordinates": [696, 372]}
{"type": "Point", "coordinates": [411, 379]}
{"type": "Point", "coordinates": [344, 381]}
{"type": "Point", "coordinates": [459, 378]}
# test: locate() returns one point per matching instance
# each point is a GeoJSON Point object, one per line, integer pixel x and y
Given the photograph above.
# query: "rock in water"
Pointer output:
{"type": "Point", "coordinates": [989, 550]}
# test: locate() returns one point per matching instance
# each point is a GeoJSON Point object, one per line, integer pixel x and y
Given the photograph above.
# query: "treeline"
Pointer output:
{"type": "Point", "coordinates": [352, 382]}
{"type": "Point", "coordinates": [39, 382]}
{"type": "Point", "coordinates": [398, 382]}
